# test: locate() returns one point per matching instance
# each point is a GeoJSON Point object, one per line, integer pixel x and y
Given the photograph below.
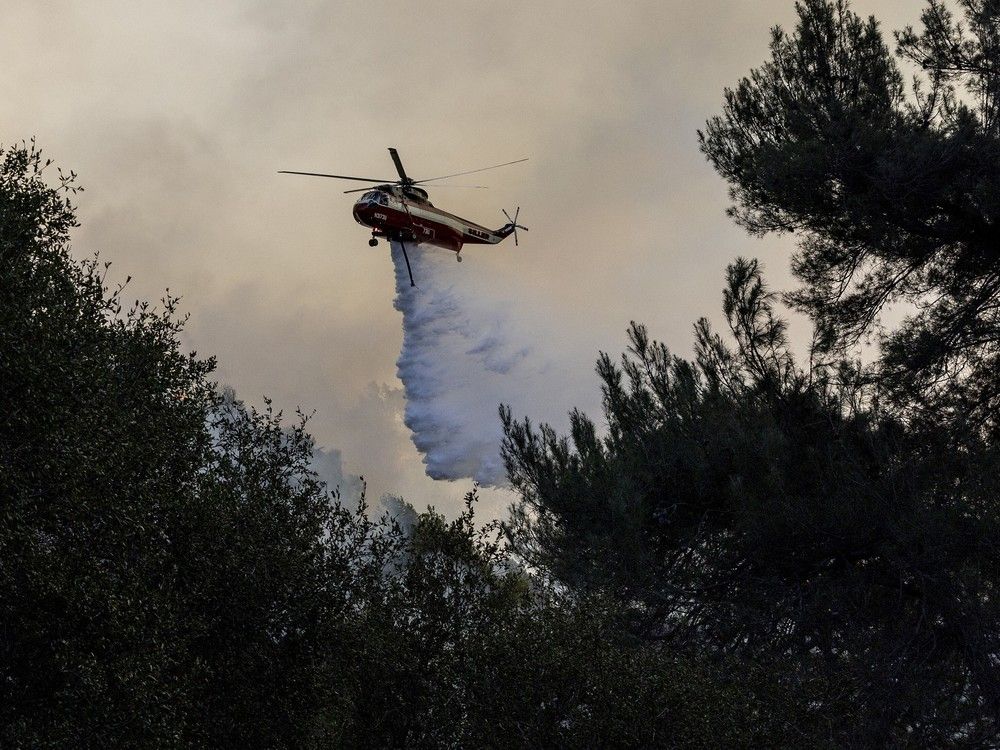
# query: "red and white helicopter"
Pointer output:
{"type": "Point", "coordinates": [400, 211]}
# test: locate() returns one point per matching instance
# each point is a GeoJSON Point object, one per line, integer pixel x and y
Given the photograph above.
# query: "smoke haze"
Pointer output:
{"type": "Point", "coordinates": [178, 115]}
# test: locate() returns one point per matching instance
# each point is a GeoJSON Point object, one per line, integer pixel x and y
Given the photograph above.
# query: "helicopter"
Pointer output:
{"type": "Point", "coordinates": [400, 211]}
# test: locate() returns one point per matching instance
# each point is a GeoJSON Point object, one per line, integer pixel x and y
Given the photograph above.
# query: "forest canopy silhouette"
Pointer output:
{"type": "Point", "coordinates": [749, 549]}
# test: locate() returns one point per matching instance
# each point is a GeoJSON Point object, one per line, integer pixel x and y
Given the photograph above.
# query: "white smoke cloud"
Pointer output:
{"type": "Point", "coordinates": [460, 360]}
{"type": "Point", "coordinates": [329, 466]}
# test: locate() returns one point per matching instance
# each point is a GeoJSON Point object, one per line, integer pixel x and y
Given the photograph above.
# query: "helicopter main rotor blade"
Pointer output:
{"type": "Point", "coordinates": [373, 187]}
{"type": "Point", "coordinates": [399, 165]}
{"type": "Point", "coordinates": [471, 171]}
{"type": "Point", "coordinates": [336, 176]}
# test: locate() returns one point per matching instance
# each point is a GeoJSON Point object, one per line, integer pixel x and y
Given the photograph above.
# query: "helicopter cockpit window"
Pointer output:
{"type": "Point", "coordinates": [382, 198]}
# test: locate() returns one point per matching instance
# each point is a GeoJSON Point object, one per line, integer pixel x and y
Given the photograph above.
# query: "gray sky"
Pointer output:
{"type": "Point", "coordinates": [177, 115]}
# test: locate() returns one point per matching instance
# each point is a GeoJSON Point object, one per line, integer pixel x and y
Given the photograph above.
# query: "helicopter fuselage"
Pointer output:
{"type": "Point", "coordinates": [405, 215]}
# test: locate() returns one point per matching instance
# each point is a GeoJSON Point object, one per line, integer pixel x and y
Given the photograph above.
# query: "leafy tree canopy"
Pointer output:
{"type": "Point", "coordinates": [894, 198]}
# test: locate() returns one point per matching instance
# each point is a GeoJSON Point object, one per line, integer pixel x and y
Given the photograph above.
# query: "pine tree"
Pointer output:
{"type": "Point", "coordinates": [740, 506]}
{"type": "Point", "coordinates": [893, 198]}
{"type": "Point", "coordinates": [835, 522]}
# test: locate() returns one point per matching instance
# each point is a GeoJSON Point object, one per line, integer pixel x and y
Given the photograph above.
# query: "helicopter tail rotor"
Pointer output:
{"type": "Point", "coordinates": [511, 226]}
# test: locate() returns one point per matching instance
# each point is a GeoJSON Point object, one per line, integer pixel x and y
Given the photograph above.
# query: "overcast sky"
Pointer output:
{"type": "Point", "coordinates": [177, 115]}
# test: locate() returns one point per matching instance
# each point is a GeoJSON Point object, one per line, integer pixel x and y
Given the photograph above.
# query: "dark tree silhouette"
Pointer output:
{"type": "Point", "coordinates": [161, 546]}
{"type": "Point", "coordinates": [893, 198]}
{"type": "Point", "coordinates": [742, 507]}
{"type": "Point", "coordinates": [837, 523]}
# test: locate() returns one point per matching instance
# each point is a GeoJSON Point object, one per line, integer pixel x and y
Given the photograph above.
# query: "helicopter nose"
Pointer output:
{"type": "Point", "coordinates": [359, 214]}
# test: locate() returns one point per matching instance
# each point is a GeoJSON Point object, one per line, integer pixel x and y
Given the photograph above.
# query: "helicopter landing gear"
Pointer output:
{"type": "Point", "coordinates": [458, 257]}
{"type": "Point", "coordinates": [372, 242]}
